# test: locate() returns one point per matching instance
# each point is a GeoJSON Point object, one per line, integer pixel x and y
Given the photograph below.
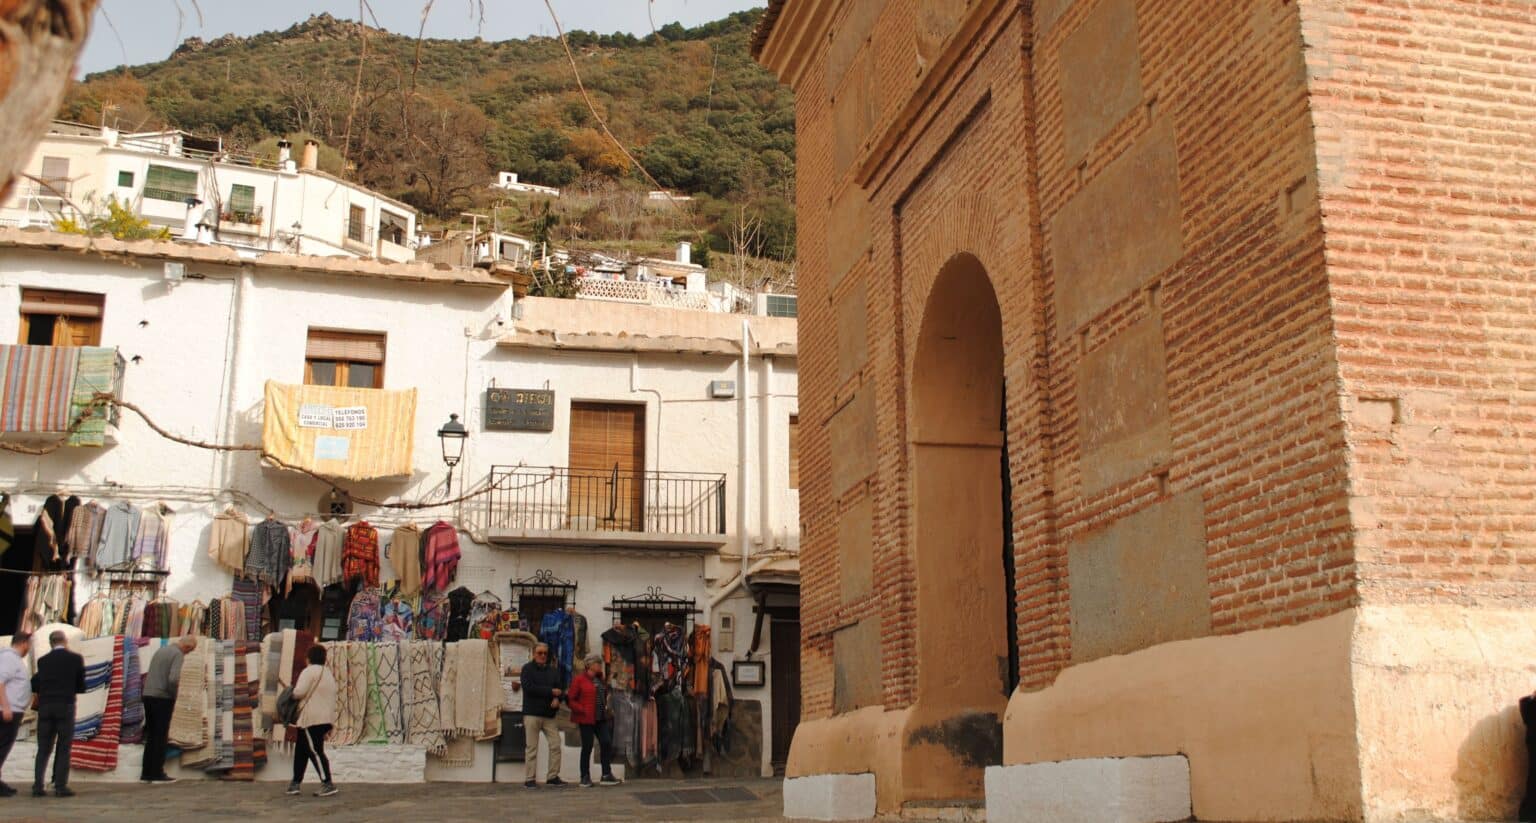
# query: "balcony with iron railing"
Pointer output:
{"type": "Point", "coordinates": [49, 394]}
{"type": "Point", "coordinates": [552, 506]}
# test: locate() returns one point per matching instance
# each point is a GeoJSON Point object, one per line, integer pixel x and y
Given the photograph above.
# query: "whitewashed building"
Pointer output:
{"type": "Point", "coordinates": [635, 453]}
{"type": "Point", "coordinates": [192, 185]}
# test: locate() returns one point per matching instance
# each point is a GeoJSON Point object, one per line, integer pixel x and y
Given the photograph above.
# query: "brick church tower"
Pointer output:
{"type": "Point", "coordinates": [1169, 404]}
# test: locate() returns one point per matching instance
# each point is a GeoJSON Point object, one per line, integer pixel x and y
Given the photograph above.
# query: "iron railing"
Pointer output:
{"type": "Point", "coordinates": [563, 499]}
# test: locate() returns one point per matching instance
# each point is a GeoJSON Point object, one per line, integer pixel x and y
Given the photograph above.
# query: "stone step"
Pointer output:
{"type": "Point", "coordinates": [959, 811]}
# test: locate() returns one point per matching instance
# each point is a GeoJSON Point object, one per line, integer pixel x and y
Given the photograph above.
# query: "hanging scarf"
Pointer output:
{"type": "Point", "coordinates": [360, 555]}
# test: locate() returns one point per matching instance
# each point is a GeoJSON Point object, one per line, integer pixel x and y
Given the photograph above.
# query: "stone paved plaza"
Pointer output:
{"type": "Point", "coordinates": [208, 800]}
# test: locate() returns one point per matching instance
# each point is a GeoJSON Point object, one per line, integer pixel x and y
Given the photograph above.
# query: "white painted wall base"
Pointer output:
{"type": "Point", "coordinates": [1093, 790]}
{"type": "Point", "coordinates": [830, 797]}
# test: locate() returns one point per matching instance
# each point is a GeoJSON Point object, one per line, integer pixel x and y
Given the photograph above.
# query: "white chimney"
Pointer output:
{"type": "Point", "coordinates": [311, 159]}
{"type": "Point", "coordinates": [205, 227]}
{"type": "Point", "coordinates": [284, 153]}
{"type": "Point", "coordinates": [685, 252]}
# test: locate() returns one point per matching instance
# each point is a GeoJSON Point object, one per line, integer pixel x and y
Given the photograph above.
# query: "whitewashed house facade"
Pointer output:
{"type": "Point", "coordinates": [693, 500]}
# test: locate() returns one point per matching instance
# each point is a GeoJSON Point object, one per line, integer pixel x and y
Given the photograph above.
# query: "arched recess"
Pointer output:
{"type": "Point", "coordinates": [963, 586]}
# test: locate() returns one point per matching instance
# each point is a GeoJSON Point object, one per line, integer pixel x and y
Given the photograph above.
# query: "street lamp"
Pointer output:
{"type": "Point", "coordinates": [452, 435]}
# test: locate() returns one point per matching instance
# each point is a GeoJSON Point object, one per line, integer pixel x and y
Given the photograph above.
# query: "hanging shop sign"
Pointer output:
{"type": "Point", "coordinates": [527, 410]}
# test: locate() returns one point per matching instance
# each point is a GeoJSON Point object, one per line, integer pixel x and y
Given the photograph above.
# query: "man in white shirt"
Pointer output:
{"type": "Point", "coordinates": [15, 695]}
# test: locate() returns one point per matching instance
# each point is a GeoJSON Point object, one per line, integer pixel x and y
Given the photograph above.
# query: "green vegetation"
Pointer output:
{"type": "Point", "coordinates": [689, 104]}
{"type": "Point", "coordinates": [118, 221]}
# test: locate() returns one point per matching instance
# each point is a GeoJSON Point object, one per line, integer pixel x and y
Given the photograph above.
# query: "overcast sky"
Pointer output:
{"type": "Point", "coordinates": [147, 31]}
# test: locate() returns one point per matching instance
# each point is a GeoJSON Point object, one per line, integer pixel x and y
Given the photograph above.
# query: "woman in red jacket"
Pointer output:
{"type": "Point", "coordinates": [588, 699]}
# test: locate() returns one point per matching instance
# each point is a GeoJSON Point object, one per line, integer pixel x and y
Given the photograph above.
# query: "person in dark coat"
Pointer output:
{"type": "Point", "coordinates": [542, 689]}
{"type": "Point", "coordinates": [60, 678]}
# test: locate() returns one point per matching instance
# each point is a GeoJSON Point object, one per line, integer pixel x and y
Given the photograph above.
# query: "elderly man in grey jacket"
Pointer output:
{"type": "Point", "coordinates": [159, 700]}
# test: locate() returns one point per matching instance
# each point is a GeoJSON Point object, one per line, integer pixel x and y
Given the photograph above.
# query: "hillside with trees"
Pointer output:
{"type": "Point", "coordinates": [429, 122]}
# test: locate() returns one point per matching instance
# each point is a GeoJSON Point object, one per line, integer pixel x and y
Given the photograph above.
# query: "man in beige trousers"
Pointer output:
{"type": "Point", "coordinates": [542, 692]}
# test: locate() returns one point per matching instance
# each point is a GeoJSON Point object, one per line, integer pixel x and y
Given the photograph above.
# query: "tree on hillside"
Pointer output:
{"type": "Point", "coordinates": [39, 41]}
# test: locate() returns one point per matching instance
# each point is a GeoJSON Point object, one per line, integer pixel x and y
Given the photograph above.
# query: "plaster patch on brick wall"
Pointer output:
{"type": "Point", "coordinates": [853, 447]}
{"type": "Point", "coordinates": [1140, 582]}
{"type": "Point", "coordinates": [855, 549]}
{"type": "Point", "coordinates": [1122, 392]}
{"type": "Point", "coordinates": [1105, 244]}
{"type": "Point", "coordinates": [848, 35]}
{"type": "Point", "coordinates": [1047, 13]}
{"type": "Point", "coordinates": [856, 666]}
{"type": "Point", "coordinates": [848, 234]}
{"type": "Point", "coordinates": [852, 312]}
{"type": "Point", "coordinates": [1100, 75]}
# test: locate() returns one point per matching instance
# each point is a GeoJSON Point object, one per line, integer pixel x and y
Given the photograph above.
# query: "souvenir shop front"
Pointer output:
{"type": "Point", "coordinates": [426, 660]}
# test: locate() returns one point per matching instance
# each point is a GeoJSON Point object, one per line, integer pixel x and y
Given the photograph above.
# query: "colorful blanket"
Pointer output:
{"type": "Point", "coordinates": [99, 754]}
{"type": "Point", "coordinates": [37, 384]}
{"type": "Point", "coordinates": [97, 372]}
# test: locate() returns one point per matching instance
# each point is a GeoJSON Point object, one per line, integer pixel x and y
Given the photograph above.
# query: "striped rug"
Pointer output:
{"type": "Point", "coordinates": [99, 754]}
{"type": "Point", "coordinates": [37, 384]}
{"type": "Point", "coordinates": [97, 372]}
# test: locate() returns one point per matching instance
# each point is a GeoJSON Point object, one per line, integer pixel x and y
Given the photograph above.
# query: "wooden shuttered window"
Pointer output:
{"type": "Point", "coordinates": [60, 318]}
{"type": "Point", "coordinates": [607, 467]}
{"type": "Point", "coordinates": [338, 358]}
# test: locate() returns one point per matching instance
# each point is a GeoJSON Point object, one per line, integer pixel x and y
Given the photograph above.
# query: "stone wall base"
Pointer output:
{"type": "Point", "coordinates": [1098, 790]}
{"type": "Point", "coordinates": [830, 797]}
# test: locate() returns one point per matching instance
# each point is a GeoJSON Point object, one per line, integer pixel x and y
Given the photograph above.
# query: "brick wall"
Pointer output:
{"type": "Point", "coordinates": [1196, 110]}
{"type": "Point", "coordinates": [1427, 158]}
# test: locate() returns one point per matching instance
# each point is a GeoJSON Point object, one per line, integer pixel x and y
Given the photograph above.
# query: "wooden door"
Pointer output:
{"type": "Point", "coordinates": [785, 680]}
{"type": "Point", "coordinates": [607, 465]}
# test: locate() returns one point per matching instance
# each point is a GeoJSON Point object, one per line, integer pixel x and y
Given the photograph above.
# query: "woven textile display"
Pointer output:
{"type": "Point", "coordinates": [424, 662]}
{"type": "Point", "coordinates": [391, 675]}
{"type": "Point", "coordinates": [188, 729]}
{"type": "Point", "coordinates": [135, 666]}
{"type": "Point", "coordinates": [99, 754]}
{"type": "Point", "coordinates": [91, 706]}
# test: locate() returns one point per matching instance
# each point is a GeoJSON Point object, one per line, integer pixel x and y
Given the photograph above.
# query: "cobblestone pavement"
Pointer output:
{"type": "Point", "coordinates": [199, 801]}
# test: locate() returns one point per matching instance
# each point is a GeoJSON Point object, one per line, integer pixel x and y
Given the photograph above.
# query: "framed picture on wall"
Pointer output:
{"type": "Point", "coordinates": [749, 672]}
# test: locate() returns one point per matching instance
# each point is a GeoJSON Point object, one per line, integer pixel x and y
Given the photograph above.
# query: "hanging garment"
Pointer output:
{"type": "Point", "coordinates": [365, 619]}
{"type": "Point", "coordinates": [61, 518]}
{"type": "Point", "coordinates": [118, 532]}
{"type": "Point", "coordinates": [301, 552]}
{"type": "Point", "coordinates": [405, 558]}
{"type": "Point", "coordinates": [250, 596]}
{"type": "Point", "coordinates": [670, 650]}
{"type": "Point", "coordinates": [432, 619]}
{"type": "Point", "coordinates": [360, 555]}
{"type": "Point", "coordinates": [670, 726]}
{"type": "Point", "coordinates": [151, 541]}
{"type": "Point", "coordinates": [399, 620]}
{"type": "Point", "coordinates": [269, 555]}
{"type": "Point", "coordinates": [627, 708]}
{"type": "Point", "coordinates": [699, 649]}
{"type": "Point", "coordinates": [579, 626]}
{"type": "Point", "coordinates": [460, 602]}
{"type": "Point", "coordinates": [84, 532]}
{"type": "Point", "coordinates": [439, 556]}
{"type": "Point", "coordinates": [329, 546]}
{"type": "Point", "coordinates": [620, 656]}
{"type": "Point", "coordinates": [649, 732]}
{"type": "Point", "coordinates": [228, 540]}
{"type": "Point", "coordinates": [558, 630]}
{"type": "Point", "coordinates": [47, 532]}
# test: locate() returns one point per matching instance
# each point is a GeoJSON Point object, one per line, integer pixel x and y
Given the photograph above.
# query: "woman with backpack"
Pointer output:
{"type": "Point", "coordinates": [315, 691]}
